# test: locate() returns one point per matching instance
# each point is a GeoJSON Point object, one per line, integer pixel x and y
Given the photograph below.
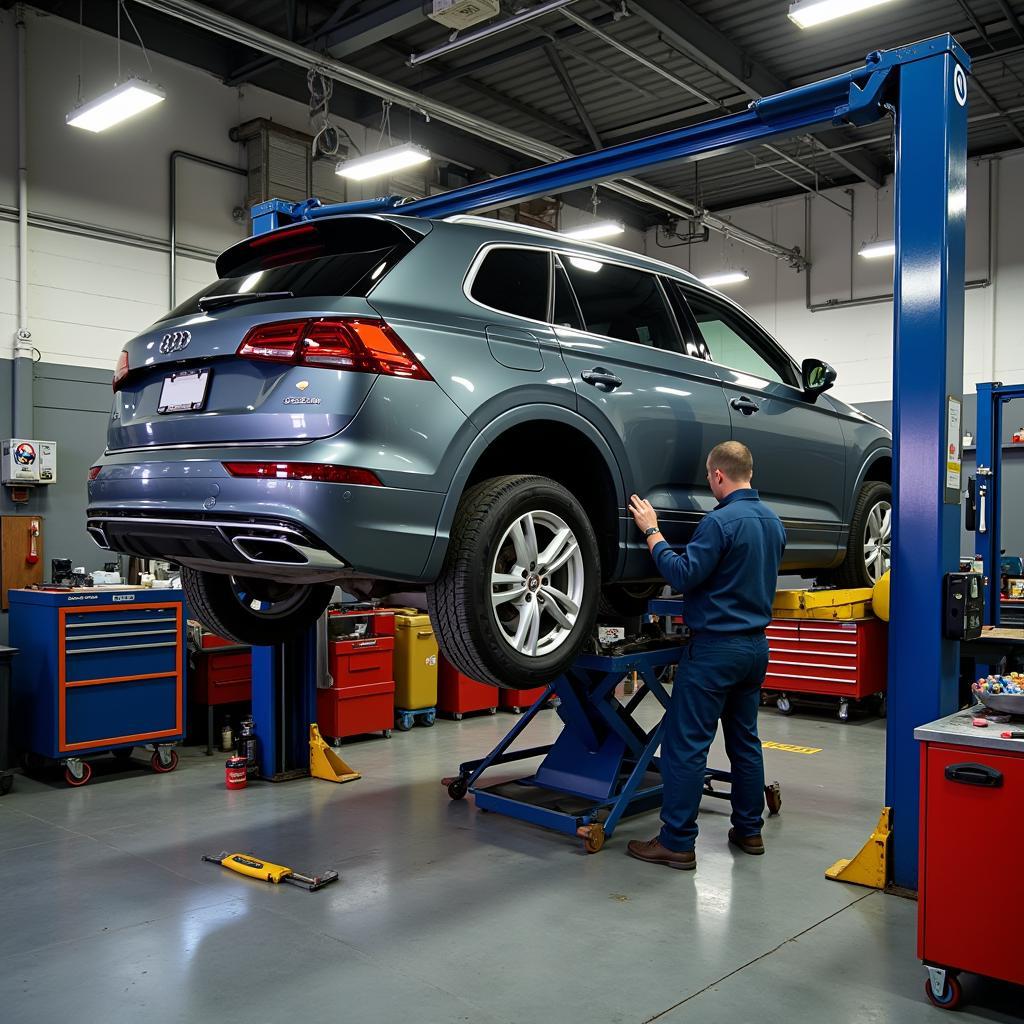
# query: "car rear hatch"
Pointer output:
{"type": "Point", "coordinates": [183, 381]}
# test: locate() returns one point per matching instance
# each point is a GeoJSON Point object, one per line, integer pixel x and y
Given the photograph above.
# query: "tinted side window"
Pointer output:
{"type": "Point", "coordinates": [514, 281]}
{"type": "Point", "coordinates": [735, 343]}
{"type": "Point", "coordinates": [623, 303]}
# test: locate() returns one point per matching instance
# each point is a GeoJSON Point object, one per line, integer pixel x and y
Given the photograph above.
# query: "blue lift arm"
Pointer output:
{"type": "Point", "coordinates": [924, 86]}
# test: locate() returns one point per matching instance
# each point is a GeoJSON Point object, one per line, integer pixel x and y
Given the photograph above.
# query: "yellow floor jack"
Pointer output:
{"type": "Point", "coordinates": [245, 864]}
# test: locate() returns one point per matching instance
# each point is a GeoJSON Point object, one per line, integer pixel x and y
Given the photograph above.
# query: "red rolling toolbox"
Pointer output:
{"type": "Point", "coordinates": [827, 657]}
{"type": "Point", "coordinates": [356, 708]}
{"type": "Point", "coordinates": [517, 701]}
{"type": "Point", "coordinates": [370, 659]}
{"type": "Point", "coordinates": [458, 695]}
{"type": "Point", "coordinates": [223, 671]}
{"type": "Point", "coordinates": [972, 791]}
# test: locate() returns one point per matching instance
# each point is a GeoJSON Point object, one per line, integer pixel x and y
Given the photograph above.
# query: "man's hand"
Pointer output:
{"type": "Point", "coordinates": [643, 512]}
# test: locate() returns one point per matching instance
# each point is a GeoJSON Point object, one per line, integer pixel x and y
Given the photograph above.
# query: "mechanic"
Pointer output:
{"type": "Point", "coordinates": [728, 574]}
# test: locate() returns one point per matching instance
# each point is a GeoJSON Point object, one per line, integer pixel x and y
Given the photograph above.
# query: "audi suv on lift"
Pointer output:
{"type": "Point", "coordinates": [463, 406]}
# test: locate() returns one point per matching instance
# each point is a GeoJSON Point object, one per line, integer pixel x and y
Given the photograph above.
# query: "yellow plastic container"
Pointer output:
{"type": "Point", "coordinates": [822, 604]}
{"type": "Point", "coordinates": [415, 661]}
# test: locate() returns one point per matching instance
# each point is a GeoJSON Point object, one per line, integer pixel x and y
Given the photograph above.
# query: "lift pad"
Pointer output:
{"type": "Point", "coordinates": [871, 866]}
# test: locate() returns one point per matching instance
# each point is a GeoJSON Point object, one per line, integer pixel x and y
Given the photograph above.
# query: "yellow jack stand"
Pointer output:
{"type": "Point", "coordinates": [871, 866]}
{"type": "Point", "coordinates": [324, 763]}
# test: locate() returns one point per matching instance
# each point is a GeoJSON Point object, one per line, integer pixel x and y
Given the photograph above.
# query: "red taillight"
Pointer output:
{"type": "Point", "coordinates": [316, 471]}
{"type": "Point", "coordinates": [121, 370]}
{"type": "Point", "coordinates": [360, 344]}
{"type": "Point", "coordinates": [94, 471]}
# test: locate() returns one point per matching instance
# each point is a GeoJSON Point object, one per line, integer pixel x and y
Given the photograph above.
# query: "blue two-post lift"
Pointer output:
{"type": "Point", "coordinates": [924, 88]}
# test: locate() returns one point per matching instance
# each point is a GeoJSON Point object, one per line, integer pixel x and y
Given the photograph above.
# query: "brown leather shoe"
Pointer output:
{"type": "Point", "coordinates": [654, 853]}
{"type": "Point", "coordinates": [753, 845]}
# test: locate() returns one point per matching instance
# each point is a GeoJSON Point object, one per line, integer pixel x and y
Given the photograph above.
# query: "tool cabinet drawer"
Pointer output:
{"type": "Point", "coordinates": [97, 714]}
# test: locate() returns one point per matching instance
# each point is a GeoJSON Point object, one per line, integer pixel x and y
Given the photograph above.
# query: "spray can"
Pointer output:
{"type": "Point", "coordinates": [247, 742]}
{"type": "Point", "coordinates": [227, 738]}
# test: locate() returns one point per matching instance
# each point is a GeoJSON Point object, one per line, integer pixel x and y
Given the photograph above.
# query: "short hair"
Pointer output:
{"type": "Point", "coordinates": [733, 459]}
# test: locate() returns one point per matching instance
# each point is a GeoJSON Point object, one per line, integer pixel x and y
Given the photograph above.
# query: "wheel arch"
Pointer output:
{"type": "Point", "coordinates": [877, 465]}
{"type": "Point", "coordinates": [550, 441]}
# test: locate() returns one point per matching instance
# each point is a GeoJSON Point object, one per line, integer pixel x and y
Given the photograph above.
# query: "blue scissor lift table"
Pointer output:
{"type": "Point", "coordinates": [602, 767]}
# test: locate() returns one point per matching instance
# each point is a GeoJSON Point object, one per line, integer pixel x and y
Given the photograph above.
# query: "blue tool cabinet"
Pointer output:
{"type": "Point", "coordinates": [101, 671]}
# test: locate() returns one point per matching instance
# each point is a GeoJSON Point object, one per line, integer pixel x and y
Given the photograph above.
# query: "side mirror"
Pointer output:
{"type": "Point", "coordinates": [817, 375]}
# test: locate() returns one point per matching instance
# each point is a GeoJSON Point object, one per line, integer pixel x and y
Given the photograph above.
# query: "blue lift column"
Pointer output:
{"type": "Point", "coordinates": [928, 363]}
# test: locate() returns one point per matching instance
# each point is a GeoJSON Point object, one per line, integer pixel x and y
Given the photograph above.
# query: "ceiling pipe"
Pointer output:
{"type": "Point", "coordinates": [459, 41]}
{"type": "Point", "coordinates": [22, 385]}
{"type": "Point", "coordinates": [200, 16]}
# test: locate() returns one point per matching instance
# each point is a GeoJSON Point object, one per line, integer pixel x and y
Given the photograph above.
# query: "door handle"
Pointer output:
{"type": "Point", "coordinates": [745, 405]}
{"type": "Point", "coordinates": [974, 775]}
{"type": "Point", "coordinates": [601, 378]}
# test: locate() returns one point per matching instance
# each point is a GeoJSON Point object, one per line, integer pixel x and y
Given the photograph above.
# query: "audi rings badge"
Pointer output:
{"type": "Point", "coordinates": [175, 341]}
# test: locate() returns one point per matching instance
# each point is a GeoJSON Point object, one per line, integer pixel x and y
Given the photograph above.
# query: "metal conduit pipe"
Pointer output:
{"type": "Point", "coordinates": [21, 391]}
{"type": "Point", "coordinates": [224, 25]}
{"type": "Point", "coordinates": [172, 205]}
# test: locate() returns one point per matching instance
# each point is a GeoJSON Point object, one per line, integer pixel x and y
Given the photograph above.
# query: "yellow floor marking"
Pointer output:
{"type": "Point", "coordinates": [791, 747]}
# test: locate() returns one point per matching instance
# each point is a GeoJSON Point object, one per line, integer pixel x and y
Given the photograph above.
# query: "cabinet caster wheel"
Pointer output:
{"type": "Point", "coordinates": [458, 788]}
{"type": "Point", "coordinates": [6, 782]}
{"type": "Point", "coordinates": [457, 716]}
{"type": "Point", "coordinates": [516, 711]}
{"type": "Point", "coordinates": [386, 734]}
{"type": "Point", "coordinates": [77, 774]}
{"type": "Point", "coordinates": [844, 712]}
{"type": "Point", "coordinates": [883, 706]}
{"type": "Point", "coordinates": [784, 706]}
{"type": "Point", "coordinates": [123, 753]}
{"type": "Point", "coordinates": [160, 766]}
{"type": "Point", "coordinates": [492, 711]}
{"type": "Point", "coordinates": [951, 995]}
{"type": "Point", "coordinates": [428, 719]}
{"type": "Point", "coordinates": [592, 836]}
{"type": "Point", "coordinates": [773, 798]}
{"type": "Point", "coordinates": [403, 723]}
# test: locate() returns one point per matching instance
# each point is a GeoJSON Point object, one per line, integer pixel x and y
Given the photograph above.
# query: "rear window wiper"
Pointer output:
{"type": "Point", "coordinates": [208, 302]}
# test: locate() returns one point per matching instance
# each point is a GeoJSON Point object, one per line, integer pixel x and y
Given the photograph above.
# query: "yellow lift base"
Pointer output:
{"type": "Point", "coordinates": [324, 763]}
{"type": "Point", "coordinates": [871, 866]}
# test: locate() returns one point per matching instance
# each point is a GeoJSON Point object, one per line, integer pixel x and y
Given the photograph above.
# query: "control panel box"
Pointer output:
{"type": "Point", "coordinates": [27, 461]}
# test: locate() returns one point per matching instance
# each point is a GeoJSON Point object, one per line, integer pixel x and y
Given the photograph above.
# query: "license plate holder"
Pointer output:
{"type": "Point", "coordinates": [184, 391]}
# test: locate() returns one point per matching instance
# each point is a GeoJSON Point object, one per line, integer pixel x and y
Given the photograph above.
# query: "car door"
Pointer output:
{"type": "Point", "coordinates": [797, 442]}
{"type": "Point", "coordinates": [638, 384]}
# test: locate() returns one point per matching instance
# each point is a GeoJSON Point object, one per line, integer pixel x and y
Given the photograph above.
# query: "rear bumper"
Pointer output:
{"type": "Point", "coordinates": [195, 513]}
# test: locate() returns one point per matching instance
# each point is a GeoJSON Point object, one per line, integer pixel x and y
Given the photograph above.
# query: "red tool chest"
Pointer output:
{"type": "Point", "coordinates": [366, 660]}
{"type": "Point", "coordinates": [972, 792]}
{"type": "Point", "coordinates": [518, 701]}
{"type": "Point", "coordinates": [356, 708]}
{"type": "Point", "coordinates": [846, 659]}
{"type": "Point", "coordinates": [458, 695]}
{"type": "Point", "coordinates": [223, 671]}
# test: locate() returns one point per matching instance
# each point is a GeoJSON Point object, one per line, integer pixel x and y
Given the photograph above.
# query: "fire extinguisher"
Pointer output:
{"type": "Point", "coordinates": [33, 543]}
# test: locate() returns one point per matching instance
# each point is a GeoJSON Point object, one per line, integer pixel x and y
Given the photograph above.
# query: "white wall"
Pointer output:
{"type": "Point", "coordinates": [87, 296]}
{"type": "Point", "coordinates": [857, 339]}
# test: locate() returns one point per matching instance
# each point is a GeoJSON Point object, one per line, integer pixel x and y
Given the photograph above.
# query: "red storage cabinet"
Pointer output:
{"type": "Point", "coordinates": [972, 827]}
{"type": "Point", "coordinates": [223, 672]}
{"type": "Point", "coordinates": [518, 701]}
{"type": "Point", "coordinates": [458, 695]}
{"type": "Point", "coordinates": [366, 660]}
{"type": "Point", "coordinates": [356, 709]}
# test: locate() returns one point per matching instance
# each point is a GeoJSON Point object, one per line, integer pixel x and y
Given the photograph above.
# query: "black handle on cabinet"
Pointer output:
{"type": "Point", "coordinates": [974, 775]}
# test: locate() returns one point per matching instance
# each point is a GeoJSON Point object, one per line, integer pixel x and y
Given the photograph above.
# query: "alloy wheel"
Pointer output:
{"type": "Point", "coordinates": [266, 597]}
{"type": "Point", "coordinates": [878, 540]}
{"type": "Point", "coordinates": [537, 581]}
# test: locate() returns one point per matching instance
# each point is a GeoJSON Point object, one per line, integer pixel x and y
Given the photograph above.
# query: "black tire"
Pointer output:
{"type": "Point", "coordinates": [214, 600]}
{"type": "Point", "coordinates": [853, 572]}
{"type": "Point", "coordinates": [626, 600]}
{"type": "Point", "coordinates": [459, 600]}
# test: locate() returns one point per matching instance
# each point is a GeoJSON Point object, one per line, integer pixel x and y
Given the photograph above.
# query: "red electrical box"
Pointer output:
{"type": "Point", "coordinates": [518, 701]}
{"type": "Point", "coordinates": [458, 695]}
{"type": "Point", "coordinates": [972, 792]}
{"type": "Point", "coordinates": [366, 660]}
{"type": "Point", "coordinates": [355, 709]}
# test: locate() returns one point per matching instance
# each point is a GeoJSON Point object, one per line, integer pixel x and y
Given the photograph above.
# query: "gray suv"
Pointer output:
{"type": "Point", "coordinates": [463, 406]}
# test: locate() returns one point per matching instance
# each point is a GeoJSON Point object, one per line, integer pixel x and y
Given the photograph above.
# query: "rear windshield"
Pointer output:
{"type": "Point", "coordinates": [321, 260]}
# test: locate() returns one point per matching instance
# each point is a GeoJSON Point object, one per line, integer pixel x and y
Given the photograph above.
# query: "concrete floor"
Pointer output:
{"type": "Point", "coordinates": [444, 914]}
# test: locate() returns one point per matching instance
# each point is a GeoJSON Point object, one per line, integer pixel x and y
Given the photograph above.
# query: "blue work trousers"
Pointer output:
{"type": "Point", "coordinates": [719, 678]}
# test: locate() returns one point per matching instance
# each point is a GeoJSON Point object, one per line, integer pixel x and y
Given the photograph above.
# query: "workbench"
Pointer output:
{"type": "Point", "coordinates": [972, 791]}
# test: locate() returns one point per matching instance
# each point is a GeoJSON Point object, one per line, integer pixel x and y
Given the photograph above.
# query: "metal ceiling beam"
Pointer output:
{"type": "Point", "coordinates": [689, 33]}
{"type": "Point", "coordinates": [210, 20]}
{"type": "Point", "coordinates": [344, 37]}
{"type": "Point", "coordinates": [562, 72]}
{"type": "Point", "coordinates": [1012, 18]}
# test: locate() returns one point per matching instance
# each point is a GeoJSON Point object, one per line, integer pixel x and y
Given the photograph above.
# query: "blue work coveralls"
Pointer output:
{"type": "Point", "coordinates": [728, 575]}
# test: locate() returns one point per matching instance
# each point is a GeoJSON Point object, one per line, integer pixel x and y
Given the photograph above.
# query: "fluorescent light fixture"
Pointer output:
{"type": "Point", "coordinates": [808, 13]}
{"type": "Point", "coordinates": [125, 100]}
{"type": "Point", "coordinates": [591, 266]}
{"type": "Point", "coordinates": [877, 250]}
{"type": "Point", "coordinates": [597, 229]}
{"type": "Point", "coordinates": [384, 161]}
{"type": "Point", "coordinates": [726, 277]}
